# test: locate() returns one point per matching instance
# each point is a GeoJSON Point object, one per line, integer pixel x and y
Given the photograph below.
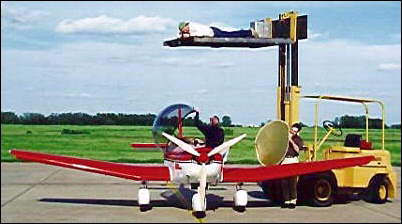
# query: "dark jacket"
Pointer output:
{"type": "Point", "coordinates": [214, 135]}
{"type": "Point", "coordinates": [291, 151]}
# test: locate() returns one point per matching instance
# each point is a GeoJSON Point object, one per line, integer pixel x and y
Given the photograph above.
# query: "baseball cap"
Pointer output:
{"type": "Point", "coordinates": [182, 25]}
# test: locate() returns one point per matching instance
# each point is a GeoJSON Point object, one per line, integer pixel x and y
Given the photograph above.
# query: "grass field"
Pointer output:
{"type": "Point", "coordinates": [112, 143]}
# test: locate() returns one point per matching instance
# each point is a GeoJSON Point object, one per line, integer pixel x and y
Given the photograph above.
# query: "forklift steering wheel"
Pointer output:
{"type": "Point", "coordinates": [337, 131]}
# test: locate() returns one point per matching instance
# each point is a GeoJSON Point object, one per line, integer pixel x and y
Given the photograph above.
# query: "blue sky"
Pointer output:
{"type": "Point", "coordinates": [108, 57]}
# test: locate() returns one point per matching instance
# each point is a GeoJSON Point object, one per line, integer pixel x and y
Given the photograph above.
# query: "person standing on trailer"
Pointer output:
{"type": "Point", "coordinates": [289, 185]}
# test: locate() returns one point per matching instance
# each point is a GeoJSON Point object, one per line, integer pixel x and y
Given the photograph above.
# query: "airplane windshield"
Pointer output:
{"type": "Point", "coordinates": [168, 120]}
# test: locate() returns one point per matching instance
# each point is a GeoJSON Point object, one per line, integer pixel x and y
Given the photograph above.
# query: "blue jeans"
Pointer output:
{"type": "Point", "coordinates": [237, 33]}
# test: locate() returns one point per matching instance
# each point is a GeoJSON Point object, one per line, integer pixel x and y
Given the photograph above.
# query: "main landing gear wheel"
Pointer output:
{"type": "Point", "coordinates": [240, 200]}
{"type": "Point", "coordinates": [337, 131]}
{"type": "Point", "coordinates": [377, 192]}
{"type": "Point", "coordinates": [321, 191]}
{"type": "Point", "coordinates": [144, 199]}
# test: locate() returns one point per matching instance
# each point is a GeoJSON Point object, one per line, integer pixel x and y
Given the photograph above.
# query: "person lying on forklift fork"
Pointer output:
{"type": "Point", "coordinates": [289, 185]}
{"type": "Point", "coordinates": [192, 29]}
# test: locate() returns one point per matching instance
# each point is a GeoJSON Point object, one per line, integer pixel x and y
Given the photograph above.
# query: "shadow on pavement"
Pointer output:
{"type": "Point", "coordinates": [180, 199]}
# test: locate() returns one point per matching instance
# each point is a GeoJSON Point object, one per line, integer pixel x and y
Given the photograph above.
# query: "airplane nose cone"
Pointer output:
{"type": "Point", "coordinates": [203, 158]}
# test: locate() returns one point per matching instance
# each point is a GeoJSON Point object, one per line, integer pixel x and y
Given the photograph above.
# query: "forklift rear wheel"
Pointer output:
{"type": "Point", "coordinates": [321, 191]}
{"type": "Point", "coordinates": [377, 191]}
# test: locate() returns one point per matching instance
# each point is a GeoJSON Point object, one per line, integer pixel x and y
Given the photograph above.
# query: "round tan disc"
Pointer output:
{"type": "Point", "coordinates": [271, 142]}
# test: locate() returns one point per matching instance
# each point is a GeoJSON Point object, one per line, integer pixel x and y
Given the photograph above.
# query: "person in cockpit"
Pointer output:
{"type": "Point", "coordinates": [214, 135]}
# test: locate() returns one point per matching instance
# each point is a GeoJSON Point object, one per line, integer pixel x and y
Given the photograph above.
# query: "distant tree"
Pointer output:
{"type": "Point", "coordinates": [9, 118]}
{"type": "Point", "coordinates": [375, 123]}
{"type": "Point", "coordinates": [347, 121]}
{"type": "Point", "coordinates": [32, 118]}
{"type": "Point", "coordinates": [397, 126]}
{"type": "Point", "coordinates": [226, 121]}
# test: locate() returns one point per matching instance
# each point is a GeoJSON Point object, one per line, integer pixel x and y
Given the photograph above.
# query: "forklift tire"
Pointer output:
{"type": "Point", "coordinates": [377, 191]}
{"type": "Point", "coordinates": [320, 191]}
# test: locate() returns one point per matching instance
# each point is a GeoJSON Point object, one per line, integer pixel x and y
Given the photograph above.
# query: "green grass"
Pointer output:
{"type": "Point", "coordinates": [112, 143]}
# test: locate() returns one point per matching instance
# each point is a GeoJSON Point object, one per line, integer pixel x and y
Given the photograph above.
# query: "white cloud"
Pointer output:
{"type": "Point", "coordinates": [389, 67]}
{"type": "Point", "coordinates": [183, 61]}
{"type": "Point", "coordinates": [314, 35]}
{"type": "Point", "coordinates": [109, 25]}
{"type": "Point", "coordinates": [20, 18]}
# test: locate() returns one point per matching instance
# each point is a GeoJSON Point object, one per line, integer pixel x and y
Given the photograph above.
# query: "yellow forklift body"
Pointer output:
{"type": "Point", "coordinates": [360, 176]}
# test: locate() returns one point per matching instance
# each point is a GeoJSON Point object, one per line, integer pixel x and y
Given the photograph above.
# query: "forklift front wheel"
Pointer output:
{"type": "Point", "coordinates": [321, 191]}
{"type": "Point", "coordinates": [377, 191]}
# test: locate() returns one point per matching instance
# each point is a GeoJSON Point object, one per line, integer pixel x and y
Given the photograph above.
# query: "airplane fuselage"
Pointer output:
{"type": "Point", "coordinates": [188, 172]}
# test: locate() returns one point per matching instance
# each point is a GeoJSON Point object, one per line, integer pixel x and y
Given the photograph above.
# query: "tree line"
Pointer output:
{"type": "Point", "coordinates": [345, 121]}
{"type": "Point", "coordinates": [86, 119]}
{"type": "Point", "coordinates": [78, 119]}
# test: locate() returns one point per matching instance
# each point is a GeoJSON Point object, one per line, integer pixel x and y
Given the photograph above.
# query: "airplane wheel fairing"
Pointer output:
{"type": "Point", "coordinates": [377, 191]}
{"type": "Point", "coordinates": [240, 198]}
{"type": "Point", "coordinates": [321, 191]}
{"type": "Point", "coordinates": [195, 201]}
{"type": "Point", "coordinates": [143, 197]}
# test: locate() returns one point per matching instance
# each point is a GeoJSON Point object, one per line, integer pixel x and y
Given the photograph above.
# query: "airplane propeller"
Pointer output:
{"type": "Point", "coordinates": [222, 148]}
{"type": "Point", "coordinates": [203, 185]}
{"type": "Point", "coordinates": [186, 147]}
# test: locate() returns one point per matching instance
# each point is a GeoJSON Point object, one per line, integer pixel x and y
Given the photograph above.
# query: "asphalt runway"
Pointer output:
{"type": "Point", "coordinates": [32, 192]}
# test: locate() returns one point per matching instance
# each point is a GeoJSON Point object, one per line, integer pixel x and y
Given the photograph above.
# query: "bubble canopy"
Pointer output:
{"type": "Point", "coordinates": [168, 120]}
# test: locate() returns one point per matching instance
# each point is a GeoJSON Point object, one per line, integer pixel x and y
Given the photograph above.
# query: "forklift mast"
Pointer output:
{"type": "Point", "coordinates": [288, 91]}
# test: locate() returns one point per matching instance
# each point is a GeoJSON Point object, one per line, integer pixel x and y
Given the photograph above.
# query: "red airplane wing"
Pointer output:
{"type": "Point", "coordinates": [241, 174]}
{"type": "Point", "coordinates": [147, 146]}
{"type": "Point", "coordinates": [127, 171]}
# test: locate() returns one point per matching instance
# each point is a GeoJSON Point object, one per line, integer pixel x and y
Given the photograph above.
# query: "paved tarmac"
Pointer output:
{"type": "Point", "coordinates": [32, 192]}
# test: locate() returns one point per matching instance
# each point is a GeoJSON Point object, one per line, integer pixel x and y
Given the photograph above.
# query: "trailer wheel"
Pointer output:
{"type": "Point", "coordinates": [377, 191]}
{"type": "Point", "coordinates": [321, 191]}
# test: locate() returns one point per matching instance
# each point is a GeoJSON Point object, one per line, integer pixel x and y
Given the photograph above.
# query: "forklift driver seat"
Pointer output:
{"type": "Point", "coordinates": [352, 140]}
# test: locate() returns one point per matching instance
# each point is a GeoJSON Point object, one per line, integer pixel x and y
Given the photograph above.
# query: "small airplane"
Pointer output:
{"type": "Point", "coordinates": [188, 161]}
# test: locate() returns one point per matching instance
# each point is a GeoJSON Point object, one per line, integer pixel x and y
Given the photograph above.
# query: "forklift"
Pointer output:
{"type": "Point", "coordinates": [376, 180]}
